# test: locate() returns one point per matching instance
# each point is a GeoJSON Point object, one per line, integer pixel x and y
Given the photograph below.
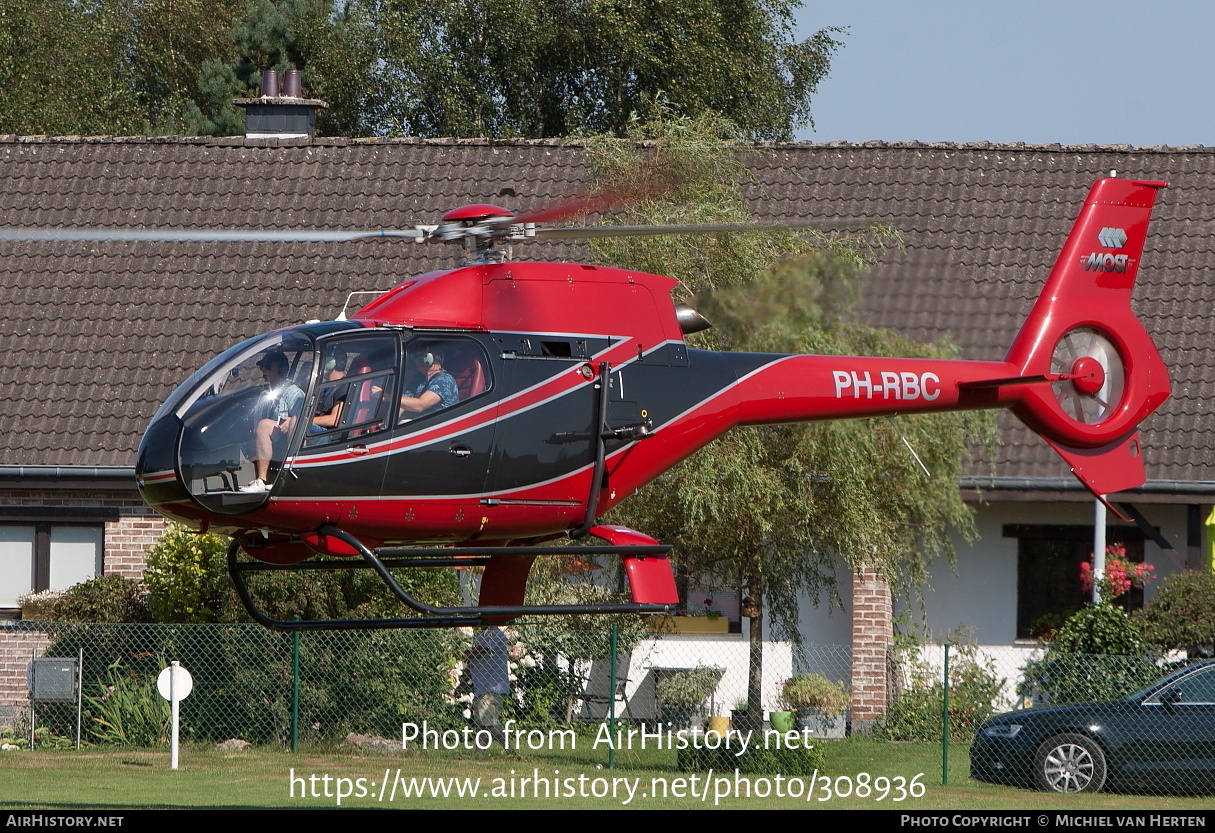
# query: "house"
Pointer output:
{"type": "Point", "coordinates": [99, 333]}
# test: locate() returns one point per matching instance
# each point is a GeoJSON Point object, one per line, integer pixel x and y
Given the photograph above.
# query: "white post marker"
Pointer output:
{"type": "Point", "coordinates": [175, 685]}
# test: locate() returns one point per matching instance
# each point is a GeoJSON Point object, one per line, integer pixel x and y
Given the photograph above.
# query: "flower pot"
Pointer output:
{"type": "Point", "coordinates": [740, 720]}
{"type": "Point", "coordinates": [718, 725]}
{"type": "Point", "coordinates": [821, 725]}
{"type": "Point", "coordinates": [688, 624]}
{"type": "Point", "coordinates": [781, 721]}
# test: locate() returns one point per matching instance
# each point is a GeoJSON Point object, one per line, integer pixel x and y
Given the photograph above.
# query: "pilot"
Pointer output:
{"type": "Point", "coordinates": [282, 402]}
{"type": "Point", "coordinates": [431, 388]}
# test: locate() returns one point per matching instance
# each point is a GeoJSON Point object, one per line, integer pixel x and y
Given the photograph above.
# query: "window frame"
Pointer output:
{"type": "Point", "coordinates": [43, 520]}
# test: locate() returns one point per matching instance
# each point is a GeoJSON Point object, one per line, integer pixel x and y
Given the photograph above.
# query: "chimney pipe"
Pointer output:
{"type": "Point", "coordinates": [291, 84]}
{"type": "Point", "coordinates": [270, 84]}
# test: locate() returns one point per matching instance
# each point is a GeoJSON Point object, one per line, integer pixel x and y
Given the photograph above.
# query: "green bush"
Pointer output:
{"type": "Point", "coordinates": [127, 709]}
{"type": "Point", "coordinates": [915, 713]}
{"type": "Point", "coordinates": [187, 577]}
{"type": "Point", "coordinates": [107, 598]}
{"type": "Point", "coordinates": [1102, 628]}
{"type": "Point", "coordinates": [814, 693]}
{"type": "Point", "coordinates": [188, 582]}
{"type": "Point", "coordinates": [1085, 678]}
{"type": "Point", "coordinates": [1097, 655]}
{"type": "Point", "coordinates": [760, 757]}
{"type": "Point", "coordinates": [1181, 616]}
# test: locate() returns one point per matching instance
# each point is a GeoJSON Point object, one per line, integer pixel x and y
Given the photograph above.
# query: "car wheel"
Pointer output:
{"type": "Point", "coordinates": [1070, 764]}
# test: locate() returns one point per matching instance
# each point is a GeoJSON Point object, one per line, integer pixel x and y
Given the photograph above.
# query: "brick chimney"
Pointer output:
{"type": "Point", "coordinates": [280, 116]}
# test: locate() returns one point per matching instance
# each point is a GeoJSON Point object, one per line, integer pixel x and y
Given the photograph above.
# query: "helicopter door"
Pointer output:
{"type": "Point", "coordinates": [341, 453]}
{"type": "Point", "coordinates": [444, 433]}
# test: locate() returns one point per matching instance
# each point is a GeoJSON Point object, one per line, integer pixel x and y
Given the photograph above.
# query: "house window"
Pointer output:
{"type": "Point", "coordinates": [1048, 573]}
{"type": "Point", "coordinates": [46, 556]}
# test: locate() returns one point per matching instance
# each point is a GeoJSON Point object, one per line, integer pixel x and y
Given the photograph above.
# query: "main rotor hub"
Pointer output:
{"type": "Point", "coordinates": [477, 228]}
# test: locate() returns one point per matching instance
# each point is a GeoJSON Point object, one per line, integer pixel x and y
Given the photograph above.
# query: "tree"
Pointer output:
{"type": "Point", "coordinates": [773, 511]}
{"type": "Point", "coordinates": [1181, 616]}
{"type": "Point", "coordinates": [545, 68]}
{"type": "Point", "coordinates": [165, 42]}
{"type": "Point", "coordinates": [62, 69]}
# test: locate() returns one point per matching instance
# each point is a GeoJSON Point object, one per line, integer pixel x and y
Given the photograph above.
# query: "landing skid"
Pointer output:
{"type": "Point", "coordinates": [384, 559]}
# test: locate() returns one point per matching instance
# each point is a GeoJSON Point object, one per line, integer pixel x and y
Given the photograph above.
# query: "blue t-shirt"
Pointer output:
{"type": "Point", "coordinates": [285, 401]}
{"type": "Point", "coordinates": [441, 383]}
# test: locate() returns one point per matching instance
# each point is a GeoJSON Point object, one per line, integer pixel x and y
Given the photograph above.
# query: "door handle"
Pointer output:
{"type": "Point", "coordinates": [460, 451]}
{"type": "Point", "coordinates": [357, 450]}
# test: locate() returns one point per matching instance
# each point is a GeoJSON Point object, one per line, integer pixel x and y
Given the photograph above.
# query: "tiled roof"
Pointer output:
{"type": "Point", "coordinates": [99, 333]}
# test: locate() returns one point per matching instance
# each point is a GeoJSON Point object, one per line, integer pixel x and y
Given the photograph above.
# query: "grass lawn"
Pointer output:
{"type": "Point", "coordinates": [263, 778]}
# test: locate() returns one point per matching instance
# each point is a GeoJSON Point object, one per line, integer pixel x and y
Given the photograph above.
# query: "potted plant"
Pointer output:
{"type": "Point", "coordinates": [819, 702]}
{"type": "Point", "coordinates": [682, 693]}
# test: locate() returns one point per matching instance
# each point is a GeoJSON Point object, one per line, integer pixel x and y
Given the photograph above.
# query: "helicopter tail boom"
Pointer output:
{"type": "Point", "coordinates": [1082, 372]}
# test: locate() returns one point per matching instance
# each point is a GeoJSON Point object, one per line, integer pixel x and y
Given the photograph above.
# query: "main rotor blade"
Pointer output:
{"type": "Point", "coordinates": [583, 232]}
{"type": "Point", "coordinates": [201, 235]}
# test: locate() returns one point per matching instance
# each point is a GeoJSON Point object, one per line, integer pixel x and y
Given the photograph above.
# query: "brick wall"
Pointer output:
{"type": "Point", "coordinates": [17, 648]}
{"type": "Point", "coordinates": [872, 636]}
{"type": "Point", "coordinates": [128, 539]}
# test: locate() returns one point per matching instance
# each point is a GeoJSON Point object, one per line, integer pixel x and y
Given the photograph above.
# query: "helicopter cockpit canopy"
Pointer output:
{"type": "Point", "coordinates": [257, 388]}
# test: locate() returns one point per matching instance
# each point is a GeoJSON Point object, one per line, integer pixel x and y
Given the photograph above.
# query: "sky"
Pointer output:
{"type": "Point", "coordinates": [1137, 72]}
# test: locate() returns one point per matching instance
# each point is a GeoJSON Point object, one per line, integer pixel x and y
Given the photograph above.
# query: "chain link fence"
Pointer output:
{"type": "Point", "coordinates": [1057, 721]}
{"type": "Point", "coordinates": [319, 687]}
{"type": "Point", "coordinates": [1037, 719]}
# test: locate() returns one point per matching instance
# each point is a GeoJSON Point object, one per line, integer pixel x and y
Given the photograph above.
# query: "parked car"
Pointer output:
{"type": "Point", "coordinates": [1160, 739]}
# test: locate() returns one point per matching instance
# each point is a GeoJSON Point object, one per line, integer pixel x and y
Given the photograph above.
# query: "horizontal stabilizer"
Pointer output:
{"type": "Point", "coordinates": [1108, 469]}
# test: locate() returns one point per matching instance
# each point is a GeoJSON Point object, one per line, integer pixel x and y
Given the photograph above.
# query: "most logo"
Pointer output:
{"type": "Point", "coordinates": [1112, 238]}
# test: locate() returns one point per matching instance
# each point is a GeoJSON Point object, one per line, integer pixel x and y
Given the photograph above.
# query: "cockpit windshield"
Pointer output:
{"type": "Point", "coordinates": [238, 421]}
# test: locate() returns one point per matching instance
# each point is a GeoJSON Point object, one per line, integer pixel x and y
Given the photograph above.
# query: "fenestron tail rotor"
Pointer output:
{"type": "Point", "coordinates": [1094, 374]}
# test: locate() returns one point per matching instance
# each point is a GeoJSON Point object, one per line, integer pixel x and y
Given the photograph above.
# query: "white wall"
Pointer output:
{"type": "Point", "coordinates": [982, 595]}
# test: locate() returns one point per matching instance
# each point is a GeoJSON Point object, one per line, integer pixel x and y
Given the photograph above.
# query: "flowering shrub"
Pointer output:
{"type": "Point", "coordinates": [813, 692]}
{"type": "Point", "coordinates": [1121, 574]}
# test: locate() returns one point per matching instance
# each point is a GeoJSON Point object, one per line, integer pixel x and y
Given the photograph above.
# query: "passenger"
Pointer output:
{"type": "Point", "coordinates": [432, 388]}
{"type": "Point", "coordinates": [333, 398]}
{"type": "Point", "coordinates": [282, 404]}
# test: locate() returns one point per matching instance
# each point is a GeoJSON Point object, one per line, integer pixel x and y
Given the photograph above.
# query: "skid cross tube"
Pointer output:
{"type": "Point", "coordinates": [432, 616]}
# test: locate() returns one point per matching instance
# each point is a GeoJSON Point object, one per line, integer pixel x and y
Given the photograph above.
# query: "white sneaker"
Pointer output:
{"type": "Point", "coordinates": [256, 486]}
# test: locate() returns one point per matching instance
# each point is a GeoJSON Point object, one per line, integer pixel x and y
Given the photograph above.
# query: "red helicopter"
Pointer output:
{"type": "Point", "coordinates": [469, 415]}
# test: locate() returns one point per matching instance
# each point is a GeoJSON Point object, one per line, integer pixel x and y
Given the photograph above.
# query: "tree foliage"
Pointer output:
{"type": "Point", "coordinates": [1181, 616]}
{"type": "Point", "coordinates": [527, 68]}
{"type": "Point", "coordinates": [540, 68]}
{"type": "Point", "coordinates": [331, 47]}
{"type": "Point", "coordinates": [62, 69]}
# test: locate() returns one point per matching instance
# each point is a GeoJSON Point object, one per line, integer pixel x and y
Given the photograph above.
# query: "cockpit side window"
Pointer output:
{"type": "Point", "coordinates": [440, 373]}
{"type": "Point", "coordinates": [354, 390]}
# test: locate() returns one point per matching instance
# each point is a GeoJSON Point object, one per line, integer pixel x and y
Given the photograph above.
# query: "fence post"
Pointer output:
{"type": "Point", "coordinates": [295, 690]}
{"type": "Point", "coordinates": [612, 698]}
{"type": "Point", "coordinates": [945, 724]}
